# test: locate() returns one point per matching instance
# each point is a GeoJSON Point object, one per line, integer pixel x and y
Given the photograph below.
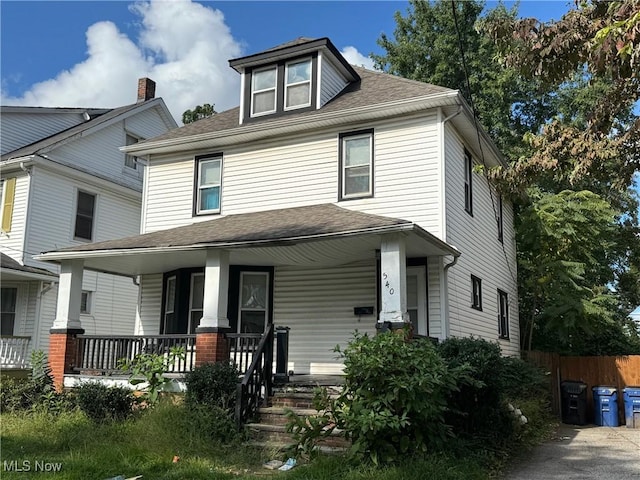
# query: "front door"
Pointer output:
{"type": "Point", "coordinates": [253, 305]}
{"type": "Point", "coordinates": [417, 299]}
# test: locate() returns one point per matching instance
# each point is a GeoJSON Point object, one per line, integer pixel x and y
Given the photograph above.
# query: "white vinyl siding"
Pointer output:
{"type": "Point", "coordinates": [434, 304]}
{"type": "Point", "coordinates": [12, 243]}
{"type": "Point", "coordinates": [331, 82]}
{"type": "Point", "coordinates": [305, 172]}
{"type": "Point", "coordinates": [483, 256]}
{"type": "Point", "coordinates": [317, 304]}
{"type": "Point", "coordinates": [150, 304]}
{"type": "Point", "coordinates": [21, 129]}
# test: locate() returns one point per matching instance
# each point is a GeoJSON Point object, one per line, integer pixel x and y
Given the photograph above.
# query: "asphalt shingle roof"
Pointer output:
{"type": "Point", "coordinates": [10, 264]}
{"type": "Point", "coordinates": [269, 226]}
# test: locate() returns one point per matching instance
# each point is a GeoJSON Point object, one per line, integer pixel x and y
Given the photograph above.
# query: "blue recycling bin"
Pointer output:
{"type": "Point", "coordinates": [631, 397]}
{"type": "Point", "coordinates": [605, 406]}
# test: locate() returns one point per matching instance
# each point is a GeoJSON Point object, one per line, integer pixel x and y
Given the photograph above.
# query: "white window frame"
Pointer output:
{"type": "Point", "coordinates": [169, 279]}
{"type": "Point", "coordinates": [199, 187]}
{"type": "Point", "coordinates": [191, 290]}
{"type": "Point", "coordinates": [266, 301]}
{"type": "Point", "coordinates": [476, 293]}
{"type": "Point", "coordinates": [93, 217]}
{"type": "Point", "coordinates": [294, 84]}
{"type": "Point", "coordinates": [500, 220]}
{"type": "Point", "coordinates": [128, 158]}
{"type": "Point", "coordinates": [274, 89]}
{"type": "Point", "coordinates": [343, 165]}
{"type": "Point", "coordinates": [503, 315]}
{"type": "Point", "coordinates": [88, 303]}
{"type": "Point", "coordinates": [468, 182]}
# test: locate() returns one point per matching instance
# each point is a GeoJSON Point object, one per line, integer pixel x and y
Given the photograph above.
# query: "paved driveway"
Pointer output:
{"type": "Point", "coordinates": [588, 452]}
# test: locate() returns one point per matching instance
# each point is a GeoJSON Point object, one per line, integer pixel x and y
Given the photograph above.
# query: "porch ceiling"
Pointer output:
{"type": "Point", "coordinates": [319, 235]}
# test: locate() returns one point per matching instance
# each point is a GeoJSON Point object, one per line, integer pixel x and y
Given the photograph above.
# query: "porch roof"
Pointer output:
{"type": "Point", "coordinates": [312, 235]}
{"type": "Point", "coordinates": [14, 271]}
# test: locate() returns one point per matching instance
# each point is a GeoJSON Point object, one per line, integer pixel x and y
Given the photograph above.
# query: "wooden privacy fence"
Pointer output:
{"type": "Point", "coordinates": [618, 372]}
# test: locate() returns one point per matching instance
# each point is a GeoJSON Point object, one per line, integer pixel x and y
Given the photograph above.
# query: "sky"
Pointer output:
{"type": "Point", "coordinates": [91, 53]}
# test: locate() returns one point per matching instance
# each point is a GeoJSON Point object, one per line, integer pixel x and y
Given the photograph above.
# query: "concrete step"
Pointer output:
{"type": "Point", "coordinates": [262, 432]}
{"type": "Point", "coordinates": [278, 415]}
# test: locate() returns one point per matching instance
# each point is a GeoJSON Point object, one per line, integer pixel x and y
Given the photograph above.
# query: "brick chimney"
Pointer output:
{"type": "Point", "coordinates": [146, 89]}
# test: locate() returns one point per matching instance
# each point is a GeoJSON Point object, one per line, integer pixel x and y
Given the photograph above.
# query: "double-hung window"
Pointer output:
{"type": "Point", "coordinates": [85, 302]}
{"type": "Point", "coordinates": [356, 164]}
{"type": "Point", "coordinates": [297, 88]}
{"type": "Point", "coordinates": [130, 160]}
{"type": "Point", "coordinates": [503, 314]}
{"type": "Point", "coordinates": [263, 91]}
{"type": "Point", "coordinates": [468, 182]}
{"type": "Point", "coordinates": [85, 212]}
{"type": "Point", "coordinates": [500, 220]}
{"type": "Point", "coordinates": [209, 184]}
{"type": "Point", "coordinates": [476, 293]}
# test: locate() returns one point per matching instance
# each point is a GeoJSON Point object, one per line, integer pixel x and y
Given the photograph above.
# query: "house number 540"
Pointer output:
{"type": "Point", "coordinates": [386, 284]}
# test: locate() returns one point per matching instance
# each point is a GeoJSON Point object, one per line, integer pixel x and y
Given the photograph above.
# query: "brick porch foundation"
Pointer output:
{"type": "Point", "coordinates": [211, 347]}
{"type": "Point", "coordinates": [62, 354]}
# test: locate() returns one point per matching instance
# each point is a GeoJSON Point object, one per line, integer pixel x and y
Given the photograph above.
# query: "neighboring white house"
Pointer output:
{"type": "Point", "coordinates": [65, 182]}
{"type": "Point", "coordinates": [333, 199]}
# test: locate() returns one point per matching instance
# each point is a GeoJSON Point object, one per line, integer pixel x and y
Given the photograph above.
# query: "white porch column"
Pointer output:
{"type": "Point", "coordinates": [69, 295]}
{"type": "Point", "coordinates": [393, 281]}
{"type": "Point", "coordinates": [216, 288]}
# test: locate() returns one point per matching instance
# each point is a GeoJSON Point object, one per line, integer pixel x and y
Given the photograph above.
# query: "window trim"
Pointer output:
{"type": "Point", "coordinates": [93, 216]}
{"type": "Point", "coordinates": [197, 187]}
{"type": "Point", "coordinates": [468, 182]}
{"type": "Point", "coordinates": [7, 203]}
{"type": "Point", "coordinates": [308, 60]}
{"type": "Point", "coordinates": [503, 315]}
{"type": "Point", "coordinates": [476, 293]}
{"type": "Point", "coordinates": [128, 156]}
{"type": "Point", "coordinates": [342, 137]}
{"type": "Point", "coordinates": [252, 92]}
{"type": "Point", "coordinates": [88, 294]}
{"type": "Point", "coordinates": [500, 220]}
{"type": "Point", "coordinates": [267, 308]}
{"type": "Point", "coordinates": [190, 327]}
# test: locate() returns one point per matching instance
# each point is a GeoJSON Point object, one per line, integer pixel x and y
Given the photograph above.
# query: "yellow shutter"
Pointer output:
{"type": "Point", "coordinates": [7, 204]}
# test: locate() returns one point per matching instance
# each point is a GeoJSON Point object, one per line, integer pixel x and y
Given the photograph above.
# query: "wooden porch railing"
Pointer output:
{"type": "Point", "coordinates": [101, 354]}
{"type": "Point", "coordinates": [256, 384]}
{"type": "Point", "coordinates": [14, 352]}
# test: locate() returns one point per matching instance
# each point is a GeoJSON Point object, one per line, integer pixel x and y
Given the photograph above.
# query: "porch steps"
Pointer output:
{"type": "Point", "coordinates": [270, 432]}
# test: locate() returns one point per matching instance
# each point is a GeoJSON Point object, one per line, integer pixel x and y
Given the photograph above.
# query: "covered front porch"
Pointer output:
{"type": "Point", "coordinates": [218, 287]}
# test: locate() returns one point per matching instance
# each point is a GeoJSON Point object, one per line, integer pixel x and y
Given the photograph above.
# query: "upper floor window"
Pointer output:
{"type": "Point", "coordinates": [503, 314]}
{"type": "Point", "coordinates": [468, 182]}
{"type": "Point", "coordinates": [356, 164]}
{"type": "Point", "coordinates": [8, 198]}
{"type": "Point", "coordinates": [85, 212]}
{"type": "Point", "coordinates": [298, 84]}
{"type": "Point", "coordinates": [130, 160]}
{"type": "Point", "coordinates": [476, 293]}
{"type": "Point", "coordinates": [263, 91]}
{"type": "Point", "coordinates": [209, 184]}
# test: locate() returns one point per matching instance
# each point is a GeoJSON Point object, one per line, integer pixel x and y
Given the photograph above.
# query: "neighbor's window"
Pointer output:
{"type": "Point", "coordinates": [298, 84]}
{"type": "Point", "coordinates": [476, 293]}
{"type": "Point", "coordinates": [500, 220]}
{"type": "Point", "coordinates": [356, 164]}
{"type": "Point", "coordinates": [503, 314]}
{"type": "Point", "coordinates": [130, 160]}
{"type": "Point", "coordinates": [209, 184]}
{"type": "Point", "coordinates": [263, 91]}
{"type": "Point", "coordinates": [85, 302]}
{"type": "Point", "coordinates": [468, 182]}
{"type": "Point", "coordinates": [85, 211]}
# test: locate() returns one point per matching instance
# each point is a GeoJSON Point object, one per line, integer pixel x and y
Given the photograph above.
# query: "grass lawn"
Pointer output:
{"type": "Point", "coordinates": [146, 446]}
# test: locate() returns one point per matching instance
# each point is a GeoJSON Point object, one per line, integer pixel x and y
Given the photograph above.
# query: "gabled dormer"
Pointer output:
{"type": "Point", "coordinates": [296, 76]}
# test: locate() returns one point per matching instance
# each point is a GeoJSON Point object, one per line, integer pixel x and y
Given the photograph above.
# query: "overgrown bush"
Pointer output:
{"type": "Point", "coordinates": [393, 401]}
{"type": "Point", "coordinates": [520, 379]}
{"type": "Point", "coordinates": [212, 385]}
{"type": "Point", "coordinates": [478, 408]}
{"type": "Point", "coordinates": [102, 403]}
{"type": "Point", "coordinates": [34, 392]}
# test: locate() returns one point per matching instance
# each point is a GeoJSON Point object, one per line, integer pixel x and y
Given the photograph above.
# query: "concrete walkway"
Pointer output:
{"type": "Point", "coordinates": [588, 452]}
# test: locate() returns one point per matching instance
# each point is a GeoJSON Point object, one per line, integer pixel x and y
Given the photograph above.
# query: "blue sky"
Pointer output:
{"type": "Point", "coordinates": [91, 53]}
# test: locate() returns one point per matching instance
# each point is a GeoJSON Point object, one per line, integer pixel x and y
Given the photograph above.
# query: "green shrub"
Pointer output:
{"type": "Point", "coordinates": [393, 401]}
{"type": "Point", "coordinates": [520, 379]}
{"type": "Point", "coordinates": [478, 408]}
{"type": "Point", "coordinates": [213, 385]}
{"type": "Point", "coordinates": [101, 403]}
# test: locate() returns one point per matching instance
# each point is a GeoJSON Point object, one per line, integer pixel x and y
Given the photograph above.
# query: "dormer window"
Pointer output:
{"type": "Point", "coordinates": [298, 84]}
{"type": "Point", "coordinates": [263, 91]}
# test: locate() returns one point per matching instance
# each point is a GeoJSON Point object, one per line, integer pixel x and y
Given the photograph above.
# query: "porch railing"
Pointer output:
{"type": "Point", "coordinates": [256, 384]}
{"type": "Point", "coordinates": [14, 352]}
{"type": "Point", "coordinates": [101, 354]}
{"type": "Point", "coordinates": [242, 347]}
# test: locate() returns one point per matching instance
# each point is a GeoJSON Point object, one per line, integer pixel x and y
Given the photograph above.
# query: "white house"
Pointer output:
{"type": "Point", "coordinates": [65, 182]}
{"type": "Point", "coordinates": [333, 199]}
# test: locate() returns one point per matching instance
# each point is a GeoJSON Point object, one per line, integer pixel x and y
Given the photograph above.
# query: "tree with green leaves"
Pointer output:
{"type": "Point", "coordinates": [198, 113]}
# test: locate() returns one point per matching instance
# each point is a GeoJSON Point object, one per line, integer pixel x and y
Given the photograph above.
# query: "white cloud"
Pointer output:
{"type": "Point", "coordinates": [183, 46]}
{"type": "Point", "coordinates": [354, 57]}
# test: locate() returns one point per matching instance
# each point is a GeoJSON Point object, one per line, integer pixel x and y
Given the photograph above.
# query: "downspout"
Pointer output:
{"type": "Point", "coordinates": [444, 285]}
